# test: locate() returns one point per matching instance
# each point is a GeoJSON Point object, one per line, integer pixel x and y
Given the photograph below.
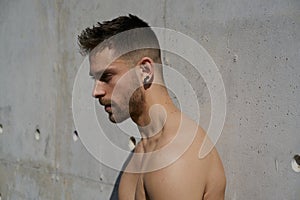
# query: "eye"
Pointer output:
{"type": "Point", "coordinates": [106, 77]}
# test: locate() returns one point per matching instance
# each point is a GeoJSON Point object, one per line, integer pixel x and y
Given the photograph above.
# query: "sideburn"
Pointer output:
{"type": "Point", "coordinates": [136, 104]}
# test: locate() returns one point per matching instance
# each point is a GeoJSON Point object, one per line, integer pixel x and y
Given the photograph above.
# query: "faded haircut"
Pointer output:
{"type": "Point", "coordinates": [129, 36]}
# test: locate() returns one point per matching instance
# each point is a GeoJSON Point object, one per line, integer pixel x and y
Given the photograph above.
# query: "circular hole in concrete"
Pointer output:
{"type": "Point", "coordinates": [37, 134]}
{"type": "Point", "coordinates": [296, 163]}
{"type": "Point", "coordinates": [1, 128]}
{"type": "Point", "coordinates": [131, 143]}
{"type": "Point", "coordinates": [75, 136]}
{"type": "Point", "coordinates": [101, 177]}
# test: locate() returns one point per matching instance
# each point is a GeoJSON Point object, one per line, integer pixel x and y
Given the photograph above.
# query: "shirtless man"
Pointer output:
{"type": "Point", "coordinates": [131, 85]}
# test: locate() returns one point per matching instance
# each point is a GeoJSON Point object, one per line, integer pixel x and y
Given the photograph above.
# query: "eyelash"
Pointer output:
{"type": "Point", "coordinates": [104, 78]}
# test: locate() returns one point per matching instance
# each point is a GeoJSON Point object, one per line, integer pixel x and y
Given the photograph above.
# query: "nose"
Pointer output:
{"type": "Point", "coordinates": [98, 89]}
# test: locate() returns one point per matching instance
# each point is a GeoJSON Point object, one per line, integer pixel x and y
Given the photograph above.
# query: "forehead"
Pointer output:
{"type": "Point", "coordinates": [102, 60]}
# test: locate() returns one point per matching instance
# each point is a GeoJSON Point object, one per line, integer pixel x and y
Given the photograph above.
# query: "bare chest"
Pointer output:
{"type": "Point", "coordinates": [141, 191]}
{"type": "Point", "coordinates": [132, 187]}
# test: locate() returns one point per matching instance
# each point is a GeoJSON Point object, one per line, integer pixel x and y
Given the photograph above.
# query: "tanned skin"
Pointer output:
{"type": "Point", "coordinates": [187, 177]}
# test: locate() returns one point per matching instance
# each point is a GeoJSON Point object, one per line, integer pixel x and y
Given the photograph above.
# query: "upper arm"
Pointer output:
{"type": "Point", "coordinates": [188, 178]}
{"type": "Point", "coordinates": [216, 181]}
{"type": "Point", "coordinates": [215, 189]}
{"type": "Point", "coordinates": [178, 181]}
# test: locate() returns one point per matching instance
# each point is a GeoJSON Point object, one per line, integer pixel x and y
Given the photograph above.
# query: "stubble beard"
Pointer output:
{"type": "Point", "coordinates": [136, 104]}
{"type": "Point", "coordinates": [133, 110]}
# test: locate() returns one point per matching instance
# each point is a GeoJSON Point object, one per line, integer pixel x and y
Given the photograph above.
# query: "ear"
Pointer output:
{"type": "Point", "coordinates": [146, 66]}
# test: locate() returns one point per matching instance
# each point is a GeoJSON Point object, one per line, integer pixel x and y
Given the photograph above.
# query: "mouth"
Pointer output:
{"type": "Point", "coordinates": [108, 108]}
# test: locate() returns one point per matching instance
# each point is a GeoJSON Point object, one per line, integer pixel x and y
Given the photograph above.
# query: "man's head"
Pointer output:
{"type": "Point", "coordinates": [128, 36]}
{"type": "Point", "coordinates": [122, 52]}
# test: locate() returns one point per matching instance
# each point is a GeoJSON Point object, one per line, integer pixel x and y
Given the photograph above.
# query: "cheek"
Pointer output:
{"type": "Point", "coordinates": [120, 95]}
{"type": "Point", "coordinates": [137, 97]}
{"type": "Point", "coordinates": [124, 88]}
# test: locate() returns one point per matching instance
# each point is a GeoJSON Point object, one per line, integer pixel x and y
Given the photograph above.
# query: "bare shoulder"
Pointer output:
{"type": "Point", "coordinates": [211, 164]}
{"type": "Point", "coordinates": [189, 177]}
{"type": "Point", "coordinates": [210, 167]}
{"type": "Point", "coordinates": [215, 180]}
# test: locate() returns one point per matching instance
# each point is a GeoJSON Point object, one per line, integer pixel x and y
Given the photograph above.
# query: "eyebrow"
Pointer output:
{"type": "Point", "coordinates": [99, 73]}
{"type": "Point", "coordinates": [108, 69]}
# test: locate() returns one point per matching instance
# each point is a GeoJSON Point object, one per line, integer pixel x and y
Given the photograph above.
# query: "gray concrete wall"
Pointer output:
{"type": "Point", "coordinates": [255, 44]}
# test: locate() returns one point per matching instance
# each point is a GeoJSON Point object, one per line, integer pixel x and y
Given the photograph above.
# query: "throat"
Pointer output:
{"type": "Point", "coordinates": [156, 121]}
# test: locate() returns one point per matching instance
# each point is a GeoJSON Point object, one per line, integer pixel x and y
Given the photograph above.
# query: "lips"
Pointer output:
{"type": "Point", "coordinates": [108, 108]}
{"type": "Point", "coordinates": [107, 105]}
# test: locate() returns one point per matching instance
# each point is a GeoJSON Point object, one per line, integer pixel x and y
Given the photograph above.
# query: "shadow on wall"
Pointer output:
{"type": "Point", "coordinates": [114, 195]}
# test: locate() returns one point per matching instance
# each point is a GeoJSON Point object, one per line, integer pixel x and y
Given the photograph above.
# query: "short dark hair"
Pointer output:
{"type": "Point", "coordinates": [137, 33]}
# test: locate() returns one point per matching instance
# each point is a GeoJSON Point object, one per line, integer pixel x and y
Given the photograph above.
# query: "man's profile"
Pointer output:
{"type": "Point", "coordinates": [131, 85]}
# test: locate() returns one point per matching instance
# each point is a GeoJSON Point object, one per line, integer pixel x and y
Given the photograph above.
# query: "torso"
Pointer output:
{"type": "Point", "coordinates": [147, 186]}
{"type": "Point", "coordinates": [132, 185]}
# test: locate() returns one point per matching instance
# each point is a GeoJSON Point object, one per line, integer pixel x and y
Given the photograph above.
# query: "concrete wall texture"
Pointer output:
{"type": "Point", "coordinates": [255, 44]}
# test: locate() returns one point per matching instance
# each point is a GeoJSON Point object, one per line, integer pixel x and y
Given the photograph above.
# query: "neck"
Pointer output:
{"type": "Point", "coordinates": [154, 123]}
{"type": "Point", "coordinates": [158, 107]}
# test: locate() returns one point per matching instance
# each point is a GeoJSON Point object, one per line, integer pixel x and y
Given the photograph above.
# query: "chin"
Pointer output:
{"type": "Point", "coordinates": [116, 120]}
{"type": "Point", "coordinates": [112, 120]}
